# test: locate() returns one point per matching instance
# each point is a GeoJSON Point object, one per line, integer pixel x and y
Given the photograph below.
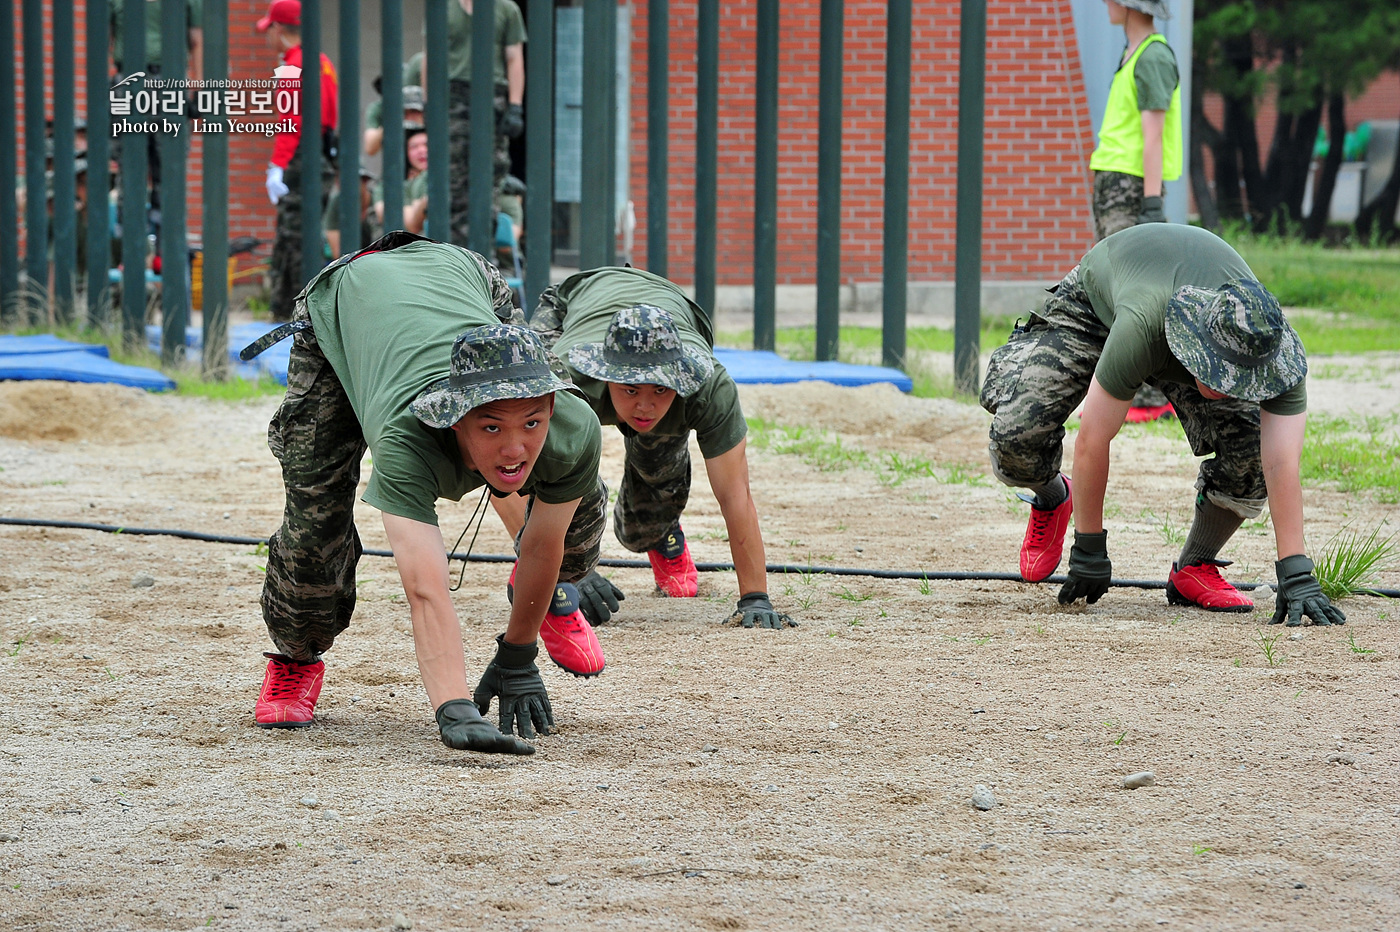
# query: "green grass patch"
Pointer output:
{"type": "Point", "coordinates": [826, 452]}
{"type": "Point", "coordinates": [1351, 561]}
{"type": "Point", "coordinates": [1357, 455]}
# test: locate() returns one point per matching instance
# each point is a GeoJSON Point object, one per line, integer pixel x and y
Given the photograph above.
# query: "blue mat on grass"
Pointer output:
{"type": "Point", "coordinates": [46, 343]}
{"type": "Point", "coordinates": [78, 365]}
{"type": "Point", "coordinates": [761, 367]}
{"type": "Point", "coordinates": [271, 364]}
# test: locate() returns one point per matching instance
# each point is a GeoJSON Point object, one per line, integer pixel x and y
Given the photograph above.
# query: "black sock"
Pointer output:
{"type": "Point", "coordinates": [1211, 529]}
{"type": "Point", "coordinates": [1051, 495]}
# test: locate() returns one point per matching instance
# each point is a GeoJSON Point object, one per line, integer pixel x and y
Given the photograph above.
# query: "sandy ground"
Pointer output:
{"type": "Point", "coordinates": [712, 778]}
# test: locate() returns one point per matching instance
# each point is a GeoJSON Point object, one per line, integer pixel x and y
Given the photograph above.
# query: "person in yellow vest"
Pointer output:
{"type": "Point", "coordinates": [1139, 143]}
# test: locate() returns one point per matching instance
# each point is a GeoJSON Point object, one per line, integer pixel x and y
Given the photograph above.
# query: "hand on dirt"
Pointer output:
{"type": "Point", "coordinates": [514, 680]}
{"type": "Point", "coordinates": [1090, 570]}
{"type": "Point", "coordinates": [598, 598]}
{"type": "Point", "coordinates": [755, 611]}
{"type": "Point", "coordinates": [1299, 595]}
{"type": "Point", "coordinates": [463, 728]}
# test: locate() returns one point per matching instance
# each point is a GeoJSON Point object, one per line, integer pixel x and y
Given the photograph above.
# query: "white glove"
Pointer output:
{"type": "Point", "coordinates": [276, 188]}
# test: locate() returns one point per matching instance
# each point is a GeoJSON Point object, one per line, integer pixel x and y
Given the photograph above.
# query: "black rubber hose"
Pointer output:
{"type": "Point", "coordinates": [643, 564]}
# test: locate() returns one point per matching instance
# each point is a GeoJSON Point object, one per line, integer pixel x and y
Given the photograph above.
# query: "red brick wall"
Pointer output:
{"type": "Point", "coordinates": [1036, 209]}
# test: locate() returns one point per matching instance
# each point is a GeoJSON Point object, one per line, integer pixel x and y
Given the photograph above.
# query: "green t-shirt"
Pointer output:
{"type": "Point", "coordinates": [386, 321]}
{"type": "Point", "coordinates": [415, 187]}
{"type": "Point", "coordinates": [194, 19]}
{"type": "Point", "coordinates": [510, 30]}
{"type": "Point", "coordinates": [1156, 76]}
{"type": "Point", "coordinates": [1129, 278]}
{"type": "Point", "coordinates": [592, 298]}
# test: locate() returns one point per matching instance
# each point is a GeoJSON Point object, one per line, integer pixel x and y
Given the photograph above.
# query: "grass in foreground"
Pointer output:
{"type": "Point", "coordinates": [1350, 561]}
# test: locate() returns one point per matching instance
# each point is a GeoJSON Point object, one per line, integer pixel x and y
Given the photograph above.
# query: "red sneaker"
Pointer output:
{"type": "Point", "coordinates": [289, 692]}
{"type": "Point", "coordinates": [674, 568]}
{"type": "Point", "coordinates": [1142, 415]}
{"type": "Point", "coordinates": [1201, 585]}
{"type": "Point", "coordinates": [568, 637]}
{"type": "Point", "coordinates": [1044, 542]}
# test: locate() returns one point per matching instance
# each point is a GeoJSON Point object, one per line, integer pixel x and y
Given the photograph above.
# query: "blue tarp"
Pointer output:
{"type": "Point", "coordinates": [271, 364]}
{"type": "Point", "coordinates": [760, 367]}
{"type": "Point", "coordinates": [46, 343]}
{"type": "Point", "coordinates": [78, 365]}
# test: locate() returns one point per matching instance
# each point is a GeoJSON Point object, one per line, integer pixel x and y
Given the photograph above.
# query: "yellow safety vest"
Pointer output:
{"type": "Point", "coordinates": [1120, 137]}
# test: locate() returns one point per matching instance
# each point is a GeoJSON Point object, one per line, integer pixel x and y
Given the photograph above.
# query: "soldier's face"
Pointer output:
{"type": "Point", "coordinates": [640, 407]}
{"type": "Point", "coordinates": [1117, 13]}
{"type": "Point", "coordinates": [502, 440]}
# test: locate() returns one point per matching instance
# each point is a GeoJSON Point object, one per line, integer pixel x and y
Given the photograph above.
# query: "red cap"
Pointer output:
{"type": "Point", "coordinates": [286, 12]}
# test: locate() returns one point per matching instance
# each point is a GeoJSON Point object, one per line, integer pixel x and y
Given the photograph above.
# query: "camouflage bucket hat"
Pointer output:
{"type": "Point", "coordinates": [643, 347]}
{"type": "Point", "coordinates": [1154, 8]}
{"type": "Point", "coordinates": [1236, 340]}
{"type": "Point", "coordinates": [489, 364]}
{"type": "Point", "coordinates": [412, 97]}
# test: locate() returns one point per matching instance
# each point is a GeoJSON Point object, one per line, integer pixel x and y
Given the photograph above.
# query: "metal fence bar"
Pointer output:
{"type": "Point", "coordinates": [36, 260]}
{"type": "Point", "coordinates": [439, 153]}
{"type": "Point", "coordinates": [706, 151]}
{"type": "Point", "coordinates": [481, 158]}
{"type": "Point", "coordinates": [829, 179]}
{"type": "Point", "coordinates": [174, 244]}
{"type": "Point", "coordinates": [539, 154]}
{"type": "Point", "coordinates": [99, 180]}
{"type": "Point", "coordinates": [391, 84]}
{"type": "Point", "coordinates": [313, 257]}
{"type": "Point", "coordinates": [9, 168]}
{"type": "Point", "coordinates": [893, 333]}
{"type": "Point", "coordinates": [65, 214]}
{"type": "Point", "coordinates": [658, 130]}
{"type": "Point", "coordinates": [215, 362]}
{"type": "Point", "coordinates": [134, 207]}
{"type": "Point", "coordinates": [596, 227]}
{"type": "Point", "coordinates": [348, 117]}
{"type": "Point", "coordinates": [765, 207]}
{"type": "Point", "coordinates": [967, 272]}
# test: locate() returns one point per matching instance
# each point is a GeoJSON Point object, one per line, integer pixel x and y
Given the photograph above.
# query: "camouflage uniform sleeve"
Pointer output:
{"type": "Point", "coordinates": [502, 297]}
{"type": "Point", "coordinates": [548, 319]}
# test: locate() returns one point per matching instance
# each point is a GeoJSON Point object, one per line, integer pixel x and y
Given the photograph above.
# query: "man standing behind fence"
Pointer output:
{"type": "Point", "coordinates": [282, 24]}
{"type": "Point", "coordinates": [508, 74]}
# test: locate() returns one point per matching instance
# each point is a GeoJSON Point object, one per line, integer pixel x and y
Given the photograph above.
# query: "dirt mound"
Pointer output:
{"type": "Point", "coordinates": [43, 410]}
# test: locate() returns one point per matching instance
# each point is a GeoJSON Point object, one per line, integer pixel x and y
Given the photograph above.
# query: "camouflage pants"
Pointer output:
{"type": "Point", "coordinates": [583, 541]}
{"type": "Point", "coordinates": [284, 268]}
{"type": "Point", "coordinates": [459, 138]}
{"type": "Point", "coordinates": [655, 488]}
{"type": "Point", "coordinates": [1036, 381]}
{"type": "Point", "coordinates": [1117, 202]}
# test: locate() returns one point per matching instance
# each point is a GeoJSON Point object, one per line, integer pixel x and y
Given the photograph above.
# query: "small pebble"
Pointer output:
{"type": "Point", "coordinates": [1296, 636]}
{"type": "Point", "coordinates": [402, 922]}
{"type": "Point", "coordinates": [708, 749]}
{"type": "Point", "coordinates": [602, 786]}
{"type": "Point", "coordinates": [142, 581]}
{"type": "Point", "coordinates": [983, 799]}
{"type": "Point", "coordinates": [95, 779]}
{"type": "Point", "coordinates": [1142, 778]}
{"type": "Point", "coordinates": [771, 788]}
{"type": "Point", "coordinates": [330, 815]}
{"type": "Point", "coordinates": [310, 802]}
{"type": "Point", "coordinates": [1341, 759]}
{"type": "Point", "coordinates": [227, 515]}
{"type": "Point", "coordinates": [555, 880]}
{"type": "Point", "coordinates": [834, 725]}
{"type": "Point", "coordinates": [33, 619]}
{"type": "Point", "coordinates": [4, 837]}
{"type": "Point", "coordinates": [860, 550]}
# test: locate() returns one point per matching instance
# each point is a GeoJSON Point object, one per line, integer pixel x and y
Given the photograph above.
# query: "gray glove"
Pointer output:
{"type": "Point", "coordinates": [755, 611]}
{"type": "Point", "coordinates": [598, 598]}
{"type": "Point", "coordinates": [1152, 211]}
{"type": "Point", "coordinates": [512, 121]}
{"type": "Point", "coordinates": [463, 728]}
{"type": "Point", "coordinates": [1299, 595]}
{"type": "Point", "coordinates": [1090, 570]}
{"type": "Point", "coordinates": [513, 678]}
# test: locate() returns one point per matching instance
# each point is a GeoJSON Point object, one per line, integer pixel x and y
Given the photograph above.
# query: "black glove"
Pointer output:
{"type": "Point", "coordinates": [513, 678]}
{"type": "Point", "coordinates": [1090, 570]}
{"type": "Point", "coordinates": [1152, 211]}
{"type": "Point", "coordinates": [512, 121]}
{"type": "Point", "coordinates": [463, 728]}
{"type": "Point", "coordinates": [755, 611]}
{"type": "Point", "coordinates": [598, 598]}
{"type": "Point", "coordinates": [1299, 595]}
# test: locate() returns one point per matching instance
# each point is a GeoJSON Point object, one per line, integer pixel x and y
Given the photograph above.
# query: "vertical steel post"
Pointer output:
{"type": "Point", "coordinates": [481, 159]}
{"type": "Point", "coordinates": [313, 257]}
{"type": "Point", "coordinates": [967, 274]}
{"type": "Point", "coordinates": [658, 132]}
{"type": "Point", "coordinates": [893, 333]}
{"type": "Point", "coordinates": [65, 208]}
{"type": "Point", "coordinates": [706, 151]}
{"type": "Point", "coordinates": [596, 228]}
{"type": "Point", "coordinates": [539, 155]}
{"type": "Point", "coordinates": [99, 183]}
{"type": "Point", "coordinates": [829, 179]}
{"type": "Point", "coordinates": [216, 360]}
{"type": "Point", "coordinates": [134, 206]}
{"type": "Point", "coordinates": [439, 153]}
{"type": "Point", "coordinates": [174, 244]}
{"type": "Point", "coordinates": [348, 114]}
{"type": "Point", "coordinates": [391, 81]}
{"type": "Point", "coordinates": [9, 203]}
{"type": "Point", "coordinates": [610, 112]}
{"type": "Point", "coordinates": [765, 184]}
{"type": "Point", "coordinates": [36, 236]}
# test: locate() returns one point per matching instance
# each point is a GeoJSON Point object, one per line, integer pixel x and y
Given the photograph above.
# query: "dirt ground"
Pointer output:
{"type": "Point", "coordinates": [713, 777]}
